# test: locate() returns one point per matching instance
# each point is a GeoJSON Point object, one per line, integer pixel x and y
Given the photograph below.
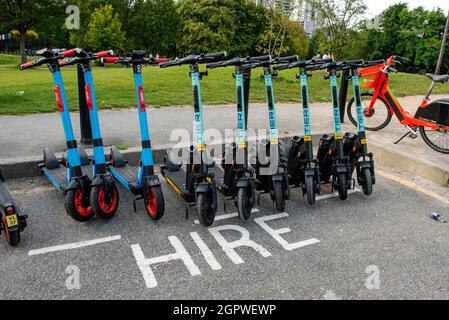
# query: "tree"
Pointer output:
{"type": "Point", "coordinates": [25, 15]}
{"type": "Point", "coordinates": [155, 25]}
{"type": "Point", "coordinates": [105, 30]}
{"type": "Point", "coordinates": [337, 18]}
{"type": "Point", "coordinates": [207, 25]}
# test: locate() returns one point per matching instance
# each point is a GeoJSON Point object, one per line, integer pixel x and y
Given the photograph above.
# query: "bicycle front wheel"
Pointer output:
{"type": "Point", "coordinates": [438, 140]}
{"type": "Point", "coordinates": [378, 118]}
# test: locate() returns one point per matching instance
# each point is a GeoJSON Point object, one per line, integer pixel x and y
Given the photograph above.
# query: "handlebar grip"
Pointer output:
{"type": "Point", "coordinates": [322, 60]}
{"type": "Point", "coordinates": [282, 67]}
{"type": "Point", "coordinates": [69, 53]}
{"type": "Point", "coordinates": [359, 61]}
{"type": "Point", "coordinates": [217, 55]}
{"type": "Point", "coordinates": [288, 58]}
{"type": "Point", "coordinates": [110, 59]}
{"type": "Point", "coordinates": [261, 58]}
{"type": "Point", "coordinates": [213, 65]}
{"type": "Point", "coordinates": [161, 60]}
{"type": "Point", "coordinates": [104, 54]}
{"type": "Point", "coordinates": [28, 65]}
{"type": "Point", "coordinates": [167, 64]}
{"type": "Point", "coordinates": [375, 62]}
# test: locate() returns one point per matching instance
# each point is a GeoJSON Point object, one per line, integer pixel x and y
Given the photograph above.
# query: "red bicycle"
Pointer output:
{"type": "Point", "coordinates": [431, 119]}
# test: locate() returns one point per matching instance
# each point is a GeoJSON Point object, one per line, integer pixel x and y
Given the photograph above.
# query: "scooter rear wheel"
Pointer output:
{"type": "Point", "coordinates": [310, 190]}
{"type": "Point", "coordinates": [342, 186]}
{"type": "Point", "coordinates": [98, 201]}
{"type": "Point", "coordinates": [12, 237]}
{"type": "Point", "coordinates": [206, 213]}
{"type": "Point", "coordinates": [77, 207]}
{"type": "Point", "coordinates": [279, 199]}
{"type": "Point", "coordinates": [367, 185]}
{"type": "Point", "coordinates": [244, 203]}
{"type": "Point", "coordinates": [154, 202]}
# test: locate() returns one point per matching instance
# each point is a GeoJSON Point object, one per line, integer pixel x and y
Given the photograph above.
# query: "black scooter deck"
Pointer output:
{"type": "Point", "coordinates": [177, 180]}
{"type": "Point", "coordinates": [58, 176]}
{"type": "Point", "coordinates": [127, 176]}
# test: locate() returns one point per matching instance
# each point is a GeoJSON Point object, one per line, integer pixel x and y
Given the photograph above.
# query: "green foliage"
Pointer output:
{"type": "Point", "coordinates": [207, 25]}
{"type": "Point", "coordinates": [155, 25]}
{"type": "Point", "coordinates": [105, 30]}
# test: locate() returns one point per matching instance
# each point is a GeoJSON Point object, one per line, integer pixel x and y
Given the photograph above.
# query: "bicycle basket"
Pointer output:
{"type": "Point", "coordinates": [370, 76]}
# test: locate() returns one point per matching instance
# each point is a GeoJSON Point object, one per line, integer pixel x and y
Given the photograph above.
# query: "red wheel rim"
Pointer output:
{"type": "Point", "coordinates": [105, 207]}
{"type": "Point", "coordinates": [151, 202]}
{"type": "Point", "coordinates": [79, 207]}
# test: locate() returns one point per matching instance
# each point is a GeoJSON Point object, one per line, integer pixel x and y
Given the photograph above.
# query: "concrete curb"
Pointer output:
{"type": "Point", "coordinates": [29, 167]}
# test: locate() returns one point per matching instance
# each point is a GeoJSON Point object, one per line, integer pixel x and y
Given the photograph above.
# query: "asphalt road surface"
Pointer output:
{"type": "Point", "coordinates": [379, 247]}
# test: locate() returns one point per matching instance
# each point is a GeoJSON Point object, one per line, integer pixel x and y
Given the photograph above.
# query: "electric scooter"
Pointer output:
{"type": "Point", "coordinates": [357, 147]}
{"type": "Point", "coordinates": [140, 181]}
{"type": "Point", "coordinates": [67, 175]}
{"type": "Point", "coordinates": [104, 196]}
{"type": "Point", "coordinates": [235, 179]}
{"type": "Point", "coordinates": [193, 181]}
{"type": "Point", "coordinates": [331, 156]}
{"type": "Point", "coordinates": [272, 154]}
{"type": "Point", "coordinates": [11, 221]}
{"type": "Point", "coordinates": [302, 166]}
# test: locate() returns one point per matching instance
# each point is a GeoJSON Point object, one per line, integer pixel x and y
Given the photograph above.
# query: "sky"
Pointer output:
{"type": "Point", "coordinates": [377, 6]}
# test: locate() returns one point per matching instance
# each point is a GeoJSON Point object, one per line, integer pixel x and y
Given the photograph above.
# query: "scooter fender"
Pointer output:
{"type": "Point", "coordinates": [283, 177]}
{"type": "Point", "coordinates": [206, 187]}
{"type": "Point", "coordinates": [202, 187]}
{"type": "Point", "coordinates": [83, 182]}
{"type": "Point", "coordinates": [243, 183]}
{"type": "Point", "coordinates": [153, 181]}
{"type": "Point", "coordinates": [369, 165]}
{"type": "Point", "coordinates": [341, 169]}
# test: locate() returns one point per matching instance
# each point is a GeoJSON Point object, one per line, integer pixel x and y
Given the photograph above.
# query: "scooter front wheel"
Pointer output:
{"type": "Point", "coordinates": [342, 186]}
{"type": "Point", "coordinates": [154, 202]}
{"type": "Point", "coordinates": [310, 190]}
{"type": "Point", "coordinates": [102, 207]}
{"type": "Point", "coordinates": [77, 206]}
{"type": "Point", "coordinates": [206, 213]}
{"type": "Point", "coordinates": [244, 203]}
{"type": "Point", "coordinates": [279, 198]}
{"type": "Point", "coordinates": [367, 185]}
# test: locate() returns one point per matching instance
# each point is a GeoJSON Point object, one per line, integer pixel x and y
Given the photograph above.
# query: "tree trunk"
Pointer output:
{"type": "Point", "coordinates": [23, 54]}
{"type": "Point", "coordinates": [443, 46]}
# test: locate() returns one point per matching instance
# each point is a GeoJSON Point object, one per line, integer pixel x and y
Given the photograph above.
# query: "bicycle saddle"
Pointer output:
{"type": "Point", "coordinates": [438, 77]}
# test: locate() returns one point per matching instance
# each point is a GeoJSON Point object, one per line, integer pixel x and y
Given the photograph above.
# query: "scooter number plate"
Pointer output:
{"type": "Point", "coordinates": [12, 221]}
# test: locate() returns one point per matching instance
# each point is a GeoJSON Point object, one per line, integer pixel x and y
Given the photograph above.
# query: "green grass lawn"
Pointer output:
{"type": "Point", "coordinates": [163, 87]}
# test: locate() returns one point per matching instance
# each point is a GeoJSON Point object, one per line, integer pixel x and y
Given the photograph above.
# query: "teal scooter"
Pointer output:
{"type": "Point", "coordinates": [192, 180]}
{"type": "Point", "coordinates": [272, 154]}
{"type": "Point", "coordinates": [302, 166]}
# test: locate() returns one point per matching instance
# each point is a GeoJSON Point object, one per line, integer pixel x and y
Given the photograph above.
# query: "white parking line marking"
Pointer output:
{"type": "Point", "coordinates": [74, 245]}
{"type": "Point", "coordinates": [205, 251]}
{"type": "Point", "coordinates": [335, 194]}
{"type": "Point", "coordinates": [227, 216]}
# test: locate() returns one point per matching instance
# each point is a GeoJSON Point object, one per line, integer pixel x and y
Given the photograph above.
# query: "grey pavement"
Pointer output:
{"type": "Point", "coordinates": [388, 232]}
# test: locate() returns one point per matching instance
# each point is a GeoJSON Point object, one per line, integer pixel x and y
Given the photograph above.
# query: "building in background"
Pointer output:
{"type": "Point", "coordinates": [300, 10]}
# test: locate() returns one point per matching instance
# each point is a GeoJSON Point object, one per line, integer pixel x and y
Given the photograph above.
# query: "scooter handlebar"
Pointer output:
{"type": "Point", "coordinates": [31, 64]}
{"type": "Point", "coordinates": [104, 54]}
{"type": "Point", "coordinates": [69, 53]}
{"type": "Point", "coordinates": [110, 60]}
{"type": "Point", "coordinates": [217, 55]}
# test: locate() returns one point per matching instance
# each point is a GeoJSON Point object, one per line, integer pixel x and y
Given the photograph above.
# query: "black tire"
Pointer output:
{"type": "Point", "coordinates": [279, 196]}
{"type": "Point", "coordinates": [367, 185]}
{"type": "Point", "coordinates": [382, 123]}
{"type": "Point", "coordinates": [79, 211]}
{"type": "Point", "coordinates": [442, 149]}
{"type": "Point", "coordinates": [310, 190]}
{"type": "Point", "coordinates": [154, 202]}
{"type": "Point", "coordinates": [243, 203]}
{"type": "Point", "coordinates": [342, 186]}
{"type": "Point", "coordinates": [13, 238]}
{"type": "Point", "coordinates": [206, 213]}
{"type": "Point", "coordinates": [99, 206]}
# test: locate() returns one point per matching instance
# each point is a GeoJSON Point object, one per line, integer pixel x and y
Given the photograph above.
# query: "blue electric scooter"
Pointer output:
{"type": "Point", "coordinates": [141, 181]}
{"type": "Point", "coordinates": [73, 176]}
{"type": "Point", "coordinates": [104, 196]}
